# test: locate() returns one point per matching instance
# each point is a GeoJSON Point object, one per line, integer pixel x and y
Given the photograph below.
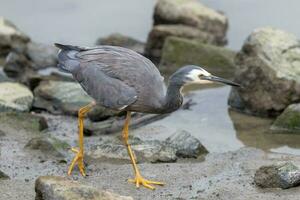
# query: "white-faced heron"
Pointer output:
{"type": "Point", "coordinates": [121, 79]}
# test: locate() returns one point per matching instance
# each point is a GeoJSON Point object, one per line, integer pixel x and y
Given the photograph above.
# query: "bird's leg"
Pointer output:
{"type": "Point", "coordinates": [79, 152]}
{"type": "Point", "coordinates": [138, 180]}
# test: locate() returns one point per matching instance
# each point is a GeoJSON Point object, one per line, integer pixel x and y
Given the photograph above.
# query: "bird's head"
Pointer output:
{"type": "Point", "coordinates": [192, 74]}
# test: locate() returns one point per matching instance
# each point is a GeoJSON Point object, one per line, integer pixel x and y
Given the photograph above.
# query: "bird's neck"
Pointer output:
{"type": "Point", "coordinates": [174, 98]}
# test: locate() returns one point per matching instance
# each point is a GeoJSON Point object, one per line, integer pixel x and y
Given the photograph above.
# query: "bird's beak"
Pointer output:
{"type": "Point", "coordinates": [220, 80]}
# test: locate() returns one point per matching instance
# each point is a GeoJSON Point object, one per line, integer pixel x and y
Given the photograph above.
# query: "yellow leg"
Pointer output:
{"type": "Point", "coordinates": [138, 180]}
{"type": "Point", "coordinates": [79, 153]}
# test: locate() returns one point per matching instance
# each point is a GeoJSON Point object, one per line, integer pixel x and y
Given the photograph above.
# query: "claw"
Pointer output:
{"type": "Point", "coordinates": [79, 160]}
{"type": "Point", "coordinates": [139, 180]}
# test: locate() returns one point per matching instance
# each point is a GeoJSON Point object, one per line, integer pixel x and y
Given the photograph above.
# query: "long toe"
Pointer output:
{"type": "Point", "coordinates": [78, 159]}
{"type": "Point", "coordinates": [144, 182]}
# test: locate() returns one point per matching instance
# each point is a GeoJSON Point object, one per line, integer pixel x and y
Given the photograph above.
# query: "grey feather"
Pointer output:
{"type": "Point", "coordinates": [117, 75]}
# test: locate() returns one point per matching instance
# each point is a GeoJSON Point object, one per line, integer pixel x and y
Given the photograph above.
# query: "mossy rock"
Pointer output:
{"type": "Point", "coordinates": [27, 121]}
{"type": "Point", "coordinates": [178, 52]}
{"type": "Point", "coordinates": [49, 145]}
{"type": "Point", "coordinates": [289, 120]}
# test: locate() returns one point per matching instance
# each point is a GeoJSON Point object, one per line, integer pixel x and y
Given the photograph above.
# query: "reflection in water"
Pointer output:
{"type": "Point", "coordinates": [207, 120]}
{"type": "Point", "coordinates": [255, 132]}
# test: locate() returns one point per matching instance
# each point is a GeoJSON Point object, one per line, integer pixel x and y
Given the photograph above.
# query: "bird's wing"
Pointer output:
{"type": "Point", "coordinates": [109, 92]}
{"type": "Point", "coordinates": [130, 67]}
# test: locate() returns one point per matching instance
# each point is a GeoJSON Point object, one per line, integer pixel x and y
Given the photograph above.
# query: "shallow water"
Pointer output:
{"type": "Point", "coordinates": [220, 130]}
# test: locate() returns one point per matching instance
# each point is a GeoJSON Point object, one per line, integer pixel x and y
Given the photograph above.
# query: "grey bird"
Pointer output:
{"type": "Point", "coordinates": [121, 79]}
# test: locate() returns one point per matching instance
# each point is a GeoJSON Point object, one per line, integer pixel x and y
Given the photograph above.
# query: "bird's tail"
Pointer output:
{"type": "Point", "coordinates": [67, 61]}
{"type": "Point", "coordinates": [69, 47]}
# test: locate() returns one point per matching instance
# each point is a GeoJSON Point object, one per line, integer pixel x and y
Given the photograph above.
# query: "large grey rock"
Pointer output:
{"type": "Point", "coordinates": [59, 188]}
{"type": "Point", "coordinates": [117, 39]}
{"type": "Point", "coordinates": [11, 37]}
{"type": "Point", "coordinates": [269, 70]}
{"type": "Point", "coordinates": [159, 33]}
{"type": "Point", "coordinates": [148, 150]}
{"type": "Point", "coordinates": [60, 97]}
{"type": "Point", "coordinates": [205, 24]}
{"type": "Point", "coordinates": [186, 145]}
{"type": "Point", "coordinates": [178, 52]}
{"type": "Point", "coordinates": [15, 97]}
{"type": "Point", "coordinates": [49, 146]}
{"type": "Point", "coordinates": [41, 55]}
{"type": "Point", "coordinates": [288, 120]}
{"type": "Point", "coordinates": [285, 175]}
{"type": "Point", "coordinates": [116, 124]}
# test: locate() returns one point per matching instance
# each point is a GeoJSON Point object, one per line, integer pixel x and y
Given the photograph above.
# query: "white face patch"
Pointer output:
{"type": "Point", "coordinates": [195, 73]}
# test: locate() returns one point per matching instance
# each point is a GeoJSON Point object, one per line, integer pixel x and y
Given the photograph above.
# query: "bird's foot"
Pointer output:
{"type": "Point", "coordinates": [139, 180]}
{"type": "Point", "coordinates": [79, 160]}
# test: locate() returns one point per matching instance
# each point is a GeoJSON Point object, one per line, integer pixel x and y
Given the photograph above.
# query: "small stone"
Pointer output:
{"type": "Point", "coordinates": [285, 175]}
{"type": "Point", "coordinates": [54, 188]}
{"type": "Point", "coordinates": [15, 97]}
{"type": "Point", "coordinates": [49, 146]}
{"type": "Point", "coordinates": [186, 145]}
{"type": "Point", "coordinates": [2, 134]}
{"type": "Point", "coordinates": [3, 176]}
{"type": "Point", "coordinates": [31, 122]}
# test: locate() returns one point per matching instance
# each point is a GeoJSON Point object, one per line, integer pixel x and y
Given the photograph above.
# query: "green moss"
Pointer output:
{"type": "Point", "coordinates": [178, 52]}
{"type": "Point", "coordinates": [289, 120]}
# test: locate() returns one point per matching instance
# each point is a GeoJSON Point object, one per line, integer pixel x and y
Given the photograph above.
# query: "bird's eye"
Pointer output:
{"type": "Point", "coordinates": [200, 75]}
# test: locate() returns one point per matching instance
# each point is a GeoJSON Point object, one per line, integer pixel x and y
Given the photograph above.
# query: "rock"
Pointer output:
{"type": "Point", "coordinates": [3, 77]}
{"type": "Point", "coordinates": [2, 134]}
{"type": "Point", "coordinates": [60, 97]}
{"type": "Point", "coordinates": [177, 16]}
{"type": "Point", "coordinates": [100, 113]}
{"type": "Point", "coordinates": [41, 55]}
{"type": "Point", "coordinates": [283, 176]}
{"type": "Point", "coordinates": [54, 188]}
{"type": "Point", "coordinates": [268, 68]}
{"type": "Point", "coordinates": [186, 145]}
{"type": "Point", "coordinates": [11, 37]}
{"type": "Point", "coordinates": [116, 124]}
{"type": "Point", "coordinates": [178, 52]}
{"type": "Point", "coordinates": [18, 66]}
{"type": "Point", "coordinates": [15, 97]}
{"type": "Point", "coordinates": [28, 121]}
{"type": "Point", "coordinates": [3, 176]}
{"type": "Point", "coordinates": [49, 146]}
{"type": "Point", "coordinates": [148, 150]}
{"type": "Point", "coordinates": [117, 39]}
{"type": "Point", "coordinates": [289, 120]}
{"type": "Point", "coordinates": [159, 34]}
